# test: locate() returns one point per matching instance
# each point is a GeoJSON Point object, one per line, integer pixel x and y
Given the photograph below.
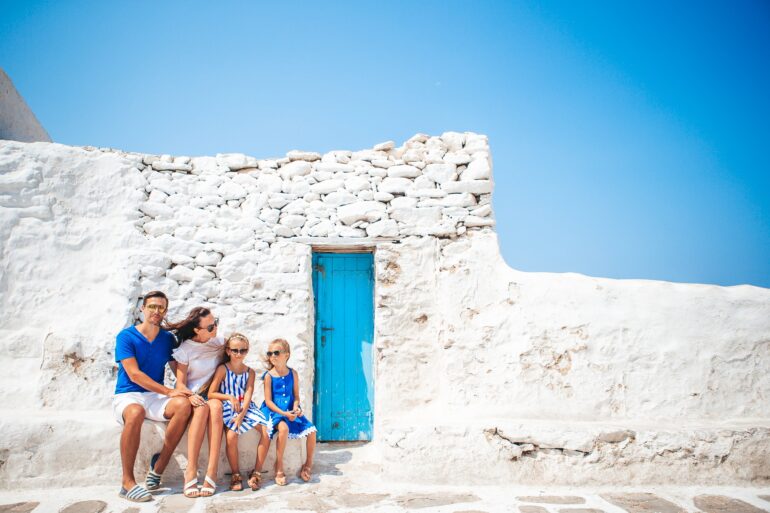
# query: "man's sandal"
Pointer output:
{"type": "Point", "coordinates": [190, 489]}
{"type": "Point", "coordinates": [280, 478]}
{"type": "Point", "coordinates": [236, 482]}
{"type": "Point", "coordinates": [208, 488]}
{"type": "Point", "coordinates": [136, 494]}
{"type": "Point", "coordinates": [255, 477]}
{"type": "Point", "coordinates": [152, 481]}
{"type": "Point", "coordinates": [304, 473]}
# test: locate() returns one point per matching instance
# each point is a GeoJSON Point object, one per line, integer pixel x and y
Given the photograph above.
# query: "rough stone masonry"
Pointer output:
{"type": "Point", "coordinates": [549, 378]}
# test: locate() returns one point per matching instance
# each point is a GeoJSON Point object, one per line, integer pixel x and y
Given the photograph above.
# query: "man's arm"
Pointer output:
{"type": "Point", "coordinates": [146, 382]}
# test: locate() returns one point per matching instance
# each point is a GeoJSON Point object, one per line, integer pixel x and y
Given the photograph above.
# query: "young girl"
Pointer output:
{"type": "Point", "coordinates": [282, 409]}
{"type": "Point", "coordinates": [234, 385]}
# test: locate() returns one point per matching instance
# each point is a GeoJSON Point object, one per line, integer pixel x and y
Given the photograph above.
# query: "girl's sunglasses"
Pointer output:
{"type": "Point", "coordinates": [238, 351]}
{"type": "Point", "coordinates": [211, 327]}
{"type": "Point", "coordinates": [273, 353]}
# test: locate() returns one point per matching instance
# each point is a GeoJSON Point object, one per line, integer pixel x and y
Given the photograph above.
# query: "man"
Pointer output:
{"type": "Point", "coordinates": [142, 352]}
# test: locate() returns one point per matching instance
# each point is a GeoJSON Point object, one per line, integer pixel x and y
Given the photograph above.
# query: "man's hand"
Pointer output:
{"type": "Point", "coordinates": [177, 392]}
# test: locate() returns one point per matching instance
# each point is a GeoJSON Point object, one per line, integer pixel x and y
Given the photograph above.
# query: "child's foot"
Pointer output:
{"type": "Point", "coordinates": [254, 479]}
{"type": "Point", "coordinates": [280, 478]}
{"type": "Point", "coordinates": [305, 474]}
{"type": "Point", "coordinates": [236, 482]}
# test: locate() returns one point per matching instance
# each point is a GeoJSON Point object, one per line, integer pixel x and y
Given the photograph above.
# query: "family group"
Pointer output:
{"type": "Point", "coordinates": [212, 394]}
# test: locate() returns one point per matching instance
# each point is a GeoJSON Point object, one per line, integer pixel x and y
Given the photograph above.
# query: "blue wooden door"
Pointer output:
{"type": "Point", "coordinates": [343, 397]}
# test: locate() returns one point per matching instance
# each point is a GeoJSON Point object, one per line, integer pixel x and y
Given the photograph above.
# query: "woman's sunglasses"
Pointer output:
{"type": "Point", "coordinates": [238, 351]}
{"type": "Point", "coordinates": [211, 327]}
{"type": "Point", "coordinates": [273, 353]}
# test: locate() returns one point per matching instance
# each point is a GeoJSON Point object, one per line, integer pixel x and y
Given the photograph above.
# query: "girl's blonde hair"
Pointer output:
{"type": "Point", "coordinates": [234, 336]}
{"type": "Point", "coordinates": [284, 347]}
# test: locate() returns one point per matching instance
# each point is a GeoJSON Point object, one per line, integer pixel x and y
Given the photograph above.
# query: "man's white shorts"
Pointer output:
{"type": "Point", "coordinates": [154, 404]}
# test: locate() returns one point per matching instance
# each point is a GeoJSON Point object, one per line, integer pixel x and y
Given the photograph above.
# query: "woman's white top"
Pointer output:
{"type": "Point", "coordinates": [202, 359]}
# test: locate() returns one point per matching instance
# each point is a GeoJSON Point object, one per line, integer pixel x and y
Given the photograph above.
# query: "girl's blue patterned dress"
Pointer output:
{"type": "Point", "coordinates": [235, 385]}
{"type": "Point", "coordinates": [282, 393]}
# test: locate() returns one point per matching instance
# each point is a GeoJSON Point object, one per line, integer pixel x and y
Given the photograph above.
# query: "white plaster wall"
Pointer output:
{"type": "Point", "coordinates": [554, 377]}
{"type": "Point", "coordinates": [17, 121]}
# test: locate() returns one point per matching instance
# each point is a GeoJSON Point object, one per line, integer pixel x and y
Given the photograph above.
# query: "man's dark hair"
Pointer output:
{"type": "Point", "coordinates": [152, 294]}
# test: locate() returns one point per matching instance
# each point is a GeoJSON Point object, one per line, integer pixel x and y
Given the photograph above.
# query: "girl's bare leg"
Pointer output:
{"type": "Point", "coordinates": [231, 441]}
{"type": "Point", "coordinates": [215, 436]}
{"type": "Point", "coordinates": [310, 451]}
{"type": "Point", "coordinates": [280, 445]}
{"type": "Point", "coordinates": [197, 429]}
{"type": "Point", "coordinates": [262, 448]}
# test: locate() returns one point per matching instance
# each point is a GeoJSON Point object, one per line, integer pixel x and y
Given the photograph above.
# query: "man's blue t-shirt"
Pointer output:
{"type": "Point", "coordinates": [150, 356]}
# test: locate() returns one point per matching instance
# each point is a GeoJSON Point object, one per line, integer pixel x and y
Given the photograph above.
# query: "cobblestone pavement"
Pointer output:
{"type": "Point", "coordinates": [342, 485]}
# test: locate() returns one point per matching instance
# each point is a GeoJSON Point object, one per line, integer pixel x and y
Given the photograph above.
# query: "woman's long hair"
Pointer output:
{"type": "Point", "coordinates": [185, 329]}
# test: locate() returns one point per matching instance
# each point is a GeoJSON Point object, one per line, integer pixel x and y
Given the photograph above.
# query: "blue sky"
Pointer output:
{"type": "Point", "coordinates": [630, 139]}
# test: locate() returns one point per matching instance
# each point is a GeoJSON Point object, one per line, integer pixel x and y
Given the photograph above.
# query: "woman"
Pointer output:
{"type": "Point", "coordinates": [197, 357]}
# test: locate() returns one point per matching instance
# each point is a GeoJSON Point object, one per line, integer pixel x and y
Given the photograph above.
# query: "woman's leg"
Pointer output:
{"type": "Point", "coordinates": [198, 421]}
{"type": "Point", "coordinates": [215, 437]}
{"type": "Point", "coordinates": [231, 442]}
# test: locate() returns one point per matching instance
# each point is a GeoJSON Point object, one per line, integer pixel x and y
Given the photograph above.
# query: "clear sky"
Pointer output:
{"type": "Point", "coordinates": [630, 139]}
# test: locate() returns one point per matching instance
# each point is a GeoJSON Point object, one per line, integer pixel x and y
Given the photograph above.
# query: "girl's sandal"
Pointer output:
{"type": "Point", "coordinates": [208, 488]}
{"type": "Point", "coordinates": [190, 489]}
{"type": "Point", "coordinates": [305, 474]}
{"type": "Point", "coordinates": [280, 478]}
{"type": "Point", "coordinates": [255, 478]}
{"type": "Point", "coordinates": [236, 482]}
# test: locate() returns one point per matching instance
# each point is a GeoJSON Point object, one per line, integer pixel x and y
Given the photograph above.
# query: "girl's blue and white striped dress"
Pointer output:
{"type": "Point", "coordinates": [235, 385]}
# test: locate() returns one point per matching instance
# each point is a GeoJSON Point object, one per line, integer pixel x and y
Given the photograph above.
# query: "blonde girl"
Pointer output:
{"type": "Point", "coordinates": [282, 409]}
{"type": "Point", "coordinates": [233, 384]}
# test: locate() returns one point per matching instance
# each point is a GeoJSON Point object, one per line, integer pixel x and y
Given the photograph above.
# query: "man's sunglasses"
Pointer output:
{"type": "Point", "coordinates": [273, 353]}
{"type": "Point", "coordinates": [211, 327]}
{"type": "Point", "coordinates": [156, 308]}
{"type": "Point", "coordinates": [238, 351]}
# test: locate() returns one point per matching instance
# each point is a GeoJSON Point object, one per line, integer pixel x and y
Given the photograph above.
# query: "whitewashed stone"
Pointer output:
{"type": "Point", "coordinates": [156, 228]}
{"type": "Point", "coordinates": [246, 180]}
{"type": "Point", "coordinates": [181, 259]}
{"type": "Point", "coordinates": [296, 168]}
{"type": "Point", "coordinates": [475, 142]}
{"type": "Point", "coordinates": [361, 211]}
{"type": "Point", "coordinates": [337, 156]}
{"type": "Point", "coordinates": [321, 229]}
{"type": "Point", "coordinates": [404, 171]}
{"type": "Point", "coordinates": [158, 196]}
{"type": "Point", "coordinates": [403, 202]}
{"type": "Point", "coordinates": [482, 211]}
{"type": "Point", "coordinates": [157, 210]}
{"type": "Point", "coordinates": [267, 164]}
{"type": "Point", "coordinates": [478, 169]}
{"type": "Point", "coordinates": [357, 183]}
{"type": "Point", "coordinates": [293, 220]}
{"type": "Point", "coordinates": [366, 195]}
{"type": "Point", "coordinates": [236, 161]}
{"type": "Point", "coordinates": [159, 165]}
{"type": "Point", "coordinates": [339, 198]}
{"type": "Point", "coordinates": [283, 231]}
{"type": "Point", "coordinates": [383, 196]}
{"type": "Point", "coordinates": [383, 163]}
{"type": "Point", "coordinates": [441, 173]}
{"type": "Point", "coordinates": [419, 138]}
{"type": "Point", "coordinates": [395, 185]}
{"type": "Point", "coordinates": [165, 185]}
{"type": "Point", "coordinates": [473, 186]}
{"type": "Point", "coordinates": [454, 140]}
{"type": "Point", "coordinates": [280, 200]}
{"type": "Point", "coordinates": [270, 215]}
{"type": "Point", "coordinates": [202, 275]}
{"type": "Point", "coordinates": [231, 191]}
{"type": "Point", "coordinates": [460, 199]}
{"type": "Point", "coordinates": [423, 182]}
{"type": "Point", "coordinates": [309, 156]}
{"type": "Point", "coordinates": [384, 146]}
{"type": "Point", "coordinates": [270, 183]}
{"type": "Point", "coordinates": [426, 193]}
{"type": "Point", "coordinates": [311, 197]}
{"type": "Point", "coordinates": [180, 273]}
{"type": "Point", "coordinates": [458, 213]}
{"type": "Point", "coordinates": [298, 206]}
{"type": "Point", "coordinates": [333, 167]}
{"type": "Point", "coordinates": [185, 232]}
{"type": "Point", "coordinates": [151, 271]}
{"type": "Point", "coordinates": [475, 221]}
{"type": "Point", "coordinates": [299, 188]}
{"type": "Point", "coordinates": [416, 216]}
{"type": "Point", "coordinates": [413, 155]}
{"type": "Point", "coordinates": [327, 186]}
{"type": "Point", "coordinates": [377, 172]}
{"type": "Point", "coordinates": [208, 165]}
{"type": "Point", "coordinates": [208, 258]}
{"type": "Point", "coordinates": [457, 158]}
{"type": "Point", "coordinates": [348, 231]}
{"type": "Point", "coordinates": [384, 228]}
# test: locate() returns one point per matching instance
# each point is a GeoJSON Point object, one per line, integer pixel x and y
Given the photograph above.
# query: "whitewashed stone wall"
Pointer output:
{"type": "Point", "coordinates": [553, 377]}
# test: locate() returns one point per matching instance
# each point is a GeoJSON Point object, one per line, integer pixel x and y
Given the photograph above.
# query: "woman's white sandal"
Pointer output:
{"type": "Point", "coordinates": [208, 491]}
{"type": "Point", "coordinates": [190, 489]}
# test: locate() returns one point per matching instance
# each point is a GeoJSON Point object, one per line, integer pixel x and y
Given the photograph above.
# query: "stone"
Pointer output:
{"type": "Point", "coordinates": [334, 167]}
{"type": "Point", "coordinates": [395, 185]}
{"type": "Point", "coordinates": [236, 161]}
{"type": "Point", "coordinates": [157, 210]}
{"type": "Point", "coordinates": [478, 222]}
{"type": "Point", "coordinates": [361, 211]}
{"type": "Point", "coordinates": [299, 188]}
{"type": "Point", "coordinates": [454, 141]}
{"type": "Point", "coordinates": [321, 229]}
{"type": "Point", "coordinates": [552, 499]}
{"type": "Point", "coordinates": [384, 146]}
{"type": "Point", "coordinates": [366, 195]}
{"type": "Point", "coordinates": [722, 504]}
{"type": "Point", "coordinates": [478, 169]}
{"type": "Point", "coordinates": [473, 186]}
{"type": "Point", "coordinates": [356, 184]}
{"type": "Point", "coordinates": [230, 191]}
{"type": "Point", "coordinates": [158, 196]}
{"type": "Point", "coordinates": [180, 273]}
{"type": "Point", "coordinates": [435, 500]}
{"type": "Point", "coordinates": [383, 228]}
{"type": "Point", "coordinates": [309, 156]}
{"type": "Point", "coordinates": [465, 199]}
{"type": "Point", "coordinates": [279, 200]}
{"type": "Point", "coordinates": [581, 510]}
{"type": "Point", "coordinates": [403, 202]}
{"type": "Point", "coordinates": [377, 172]}
{"type": "Point", "coordinates": [426, 193]}
{"type": "Point", "coordinates": [416, 216]}
{"type": "Point", "coordinates": [349, 231]}
{"type": "Point", "coordinates": [311, 197]}
{"type": "Point", "coordinates": [270, 215]}
{"type": "Point", "coordinates": [532, 509]}
{"type": "Point", "coordinates": [459, 158]}
{"type": "Point", "coordinates": [171, 166]}
{"type": "Point", "coordinates": [208, 258]}
{"type": "Point", "coordinates": [269, 183]}
{"type": "Point", "coordinates": [85, 507]}
{"type": "Point", "coordinates": [327, 186]}
{"type": "Point", "coordinates": [383, 163]}
{"type": "Point", "coordinates": [156, 228]}
{"type": "Point", "coordinates": [404, 171]}
{"type": "Point", "coordinates": [482, 211]}
{"type": "Point", "coordinates": [383, 196]}
{"type": "Point", "coordinates": [295, 168]}
{"type": "Point", "coordinates": [18, 507]}
{"type": "Point", "coordinates": [293, 221]}
{"type": "Point", "coordinates": [642, 503]}
{"type": "Point", "coordinates": [339, 198]}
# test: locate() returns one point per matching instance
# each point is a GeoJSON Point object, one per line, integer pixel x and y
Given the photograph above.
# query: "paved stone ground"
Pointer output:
{"type": "Point", "coordinates": [344, 483]}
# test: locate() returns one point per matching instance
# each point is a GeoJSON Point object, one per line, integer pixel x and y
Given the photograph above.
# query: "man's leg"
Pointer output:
{"type": "Point", "coordinates": [133, 416]}
{"type": "Point", "coordinates": [177, 410]}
